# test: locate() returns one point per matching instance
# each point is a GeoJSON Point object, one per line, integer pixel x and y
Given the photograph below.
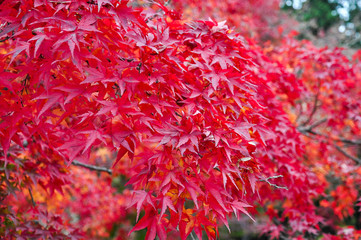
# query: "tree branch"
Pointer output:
{"type": "Point", "coordinates": [272, 184]}
{"type": "Point", "coordinates": [309, 130]}
{"type": "Point", "coordinates": [32, 198]}
{"type": "Point", "coordinates": [314, 109]}
{"type": "Point", "coordinates": [311, 127]}
{"type": "Point", "coordinates": [92, 167]}
{"type": "Point", "coordinates": [357, 160]}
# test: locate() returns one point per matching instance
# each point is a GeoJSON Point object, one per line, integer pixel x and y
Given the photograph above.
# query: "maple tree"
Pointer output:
{"type": "Point", "coordinates": [111, 114]}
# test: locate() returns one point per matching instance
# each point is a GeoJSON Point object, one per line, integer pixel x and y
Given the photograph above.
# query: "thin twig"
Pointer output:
{"type": "Point", "coordinates": [32, 199]}
{"type": "Point", "coordinates": [312, 126]}
{"type": "Point", "coordinates": [316, 124]}
{"type": "Point", "coordinates": [300, 113]}
{"type": "Point", "coordinates": [274, 177]}
{"type": "Point", "coordinates": [357, 160]}
{"type": "Point", "coordinates": [349, 141]}
{"type": "Point", "coordinates": [272, 184]}
{"type": "Point", "coordinates": [308, 130]}
{"type": "Point", "coordinates": [314, 109]}
{"type": "Point", "coordinates": [92, 167]}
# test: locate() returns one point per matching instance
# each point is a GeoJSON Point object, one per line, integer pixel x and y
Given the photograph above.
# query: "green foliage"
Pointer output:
{"type": "Point", "coordinates": [324, 12]}
{"type": "Point", "coordinates": [322, 15]}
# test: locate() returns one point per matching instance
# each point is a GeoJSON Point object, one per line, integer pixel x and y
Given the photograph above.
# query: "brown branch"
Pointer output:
{"type": "Point", "coordinates": [357, 160]}
{"type": "Point", "coordinates": [314, 109]}
{"type": "Point", "coordinates": [309, 130]}
{"type": "Point", "coordinates": [92, 167]}
{"type": "Point", "coordinates": [300, 113]}
{"type": "Point", "coordinates": [349, 141]}
{"type": "Point", "coordinates": [32, 198]}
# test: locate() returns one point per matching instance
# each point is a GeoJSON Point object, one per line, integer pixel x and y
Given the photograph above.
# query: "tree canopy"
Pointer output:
{"type": "Point", "coordinates": [172, 119]}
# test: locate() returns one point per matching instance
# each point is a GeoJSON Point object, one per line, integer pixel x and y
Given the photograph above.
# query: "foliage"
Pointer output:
{"type": "Point", "coordinates": [322, 15]}
{"type": "Point", "coordinates": [111, 114]}
{"type": "Point", "coordinates": [258, 23]}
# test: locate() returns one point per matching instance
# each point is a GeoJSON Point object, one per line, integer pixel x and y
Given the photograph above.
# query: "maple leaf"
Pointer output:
{"type": "Point", "coordinates": [51, 101]}
{"type": "Point", "coordinates": [166, 202]}
{"type": "Point", "coordinates": [139, 197]}
{"type": "Point", "coordinates": [92, 136]}
{"type": "Point", "coordinates": [24, 46]}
